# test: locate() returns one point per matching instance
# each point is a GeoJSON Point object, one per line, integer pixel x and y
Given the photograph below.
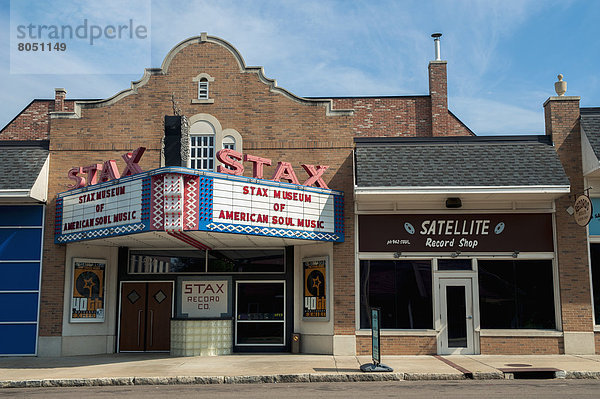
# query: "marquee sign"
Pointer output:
{"type": "Point", "coordinates": [456, 232]}
{"type": "Point", "coordinates": [176, 200]}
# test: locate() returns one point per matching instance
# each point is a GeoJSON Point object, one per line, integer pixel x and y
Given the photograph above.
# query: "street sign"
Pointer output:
{"type": "Point", "coordinates": [376, 366]}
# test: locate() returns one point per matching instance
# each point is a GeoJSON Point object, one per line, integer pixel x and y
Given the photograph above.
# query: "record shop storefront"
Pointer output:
{"type": "Point", "coordinates": [197, 263]}
{"type": "Point", "coordinates": [459, 254]}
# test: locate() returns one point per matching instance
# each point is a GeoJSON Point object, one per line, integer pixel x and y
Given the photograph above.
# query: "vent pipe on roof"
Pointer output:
{"type": "Point", "coordinates": [436, 41]}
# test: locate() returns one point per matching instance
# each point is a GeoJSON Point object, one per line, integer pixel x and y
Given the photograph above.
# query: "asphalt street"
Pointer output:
{"type": "Point", "coordinates": [466, 389]}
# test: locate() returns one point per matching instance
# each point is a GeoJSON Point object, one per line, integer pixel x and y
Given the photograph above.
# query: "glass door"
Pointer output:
{"type": "Point", "coordinates": [260, 313]}
{"type": "Point", "coordinates": [456, 300]}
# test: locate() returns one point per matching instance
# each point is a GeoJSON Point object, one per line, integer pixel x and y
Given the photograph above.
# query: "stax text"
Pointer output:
{"type": "Point", "coordinates": [100, 173]}
{"type": "Point", "coordinates": [233, 166]}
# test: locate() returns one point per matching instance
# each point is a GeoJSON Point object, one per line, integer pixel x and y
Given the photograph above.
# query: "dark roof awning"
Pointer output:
{"type": "Point", "coordinates": [510, 165]}
{"type": "Point", "coordinates": [24, 171]}
{"type": "Point", "coordinates": [590, 129]}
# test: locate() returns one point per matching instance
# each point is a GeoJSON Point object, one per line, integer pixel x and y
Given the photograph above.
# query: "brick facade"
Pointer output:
{"type": "Point", "coordinates": [521, 345]}
{"type": "Point", "coordinates": [400, 345]}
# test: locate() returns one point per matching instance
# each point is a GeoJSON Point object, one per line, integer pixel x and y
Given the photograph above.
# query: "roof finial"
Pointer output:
{"type": "Point", "coordinates": [561, 86]}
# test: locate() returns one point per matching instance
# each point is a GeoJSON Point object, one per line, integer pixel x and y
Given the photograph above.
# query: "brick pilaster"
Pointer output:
{"type": "Point", "coordinates": [562, 124]}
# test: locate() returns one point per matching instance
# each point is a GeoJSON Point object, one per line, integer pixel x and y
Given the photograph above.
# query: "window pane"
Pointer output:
{"type": "Point", "coordinates": [158, 262]}
{"type": "Point", "coordinates": [454, 264]}
{"type": "Point", "coordinates": [595, 260]}
{"type": "Point", "coordinates": [457, 316]}
{"type": "Point", "coordinates": [516, 294]}
{"type": "Point", "coordinates": [402, 289]}
{"type": "Point", "coordinates": [246, 261]}
{"type": "Point", "coordinates": [260, 333]}
{"type": "Point", "coordinates": [260, 301]}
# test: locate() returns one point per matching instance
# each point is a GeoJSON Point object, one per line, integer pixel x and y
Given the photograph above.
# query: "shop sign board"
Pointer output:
{"type": "Point", "coordinates": [583, 210]}
{"type": "Point", "coordinates": [204, 297]}
{"type": "Point", "coordinates": [456, 232]}
{"type": "Point", "coordinates": [88, 292]}
{"type": "Point", "coordinates": [316, 286]}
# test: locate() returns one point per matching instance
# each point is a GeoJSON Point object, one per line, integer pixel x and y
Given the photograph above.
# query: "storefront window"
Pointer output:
{"type": "Point", "coordinates": [402, 289]}
{"type": "Point", "coordinates": [595, 260]}
{"type": "Point", "coordinates": [516, 294]}
{"type": "Point", "coordinates": [246, 261]}
{"type": "Point", "coordinates": [230, 261]}
{"type": "Point", "coordinates": [150, 262]}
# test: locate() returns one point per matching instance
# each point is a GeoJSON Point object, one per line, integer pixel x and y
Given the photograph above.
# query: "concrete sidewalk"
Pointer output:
{"type": "Point", "coordinates": [134, 369]}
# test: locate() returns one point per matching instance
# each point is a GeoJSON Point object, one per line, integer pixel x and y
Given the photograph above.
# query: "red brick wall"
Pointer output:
{"type": "Point", "coordinates": [438, 92]}
{"type": "Point", "coordinates": [33, 123]}
{"type": "Point", "coordinates": [389, 116]}
{"type": "Point", "coordinates": [562, 123]}
{"type": "Point", "coordinates": [521, 345]}
{"type": "Point", "coordinates": [597, 342]}
{"type": "Point", "coordinates": [404, 345]}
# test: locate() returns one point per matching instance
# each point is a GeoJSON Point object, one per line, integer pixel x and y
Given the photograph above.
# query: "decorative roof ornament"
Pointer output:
{"type": "Point", "coordinates": [561, 86]}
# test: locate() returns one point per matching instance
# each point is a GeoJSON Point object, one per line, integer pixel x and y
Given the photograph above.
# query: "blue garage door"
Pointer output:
{"type": "Point", "coordinates": [21, 234]}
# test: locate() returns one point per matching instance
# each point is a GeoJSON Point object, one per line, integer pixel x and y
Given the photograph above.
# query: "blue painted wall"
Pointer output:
{"type": "Point", "coordinates": [20, 267]}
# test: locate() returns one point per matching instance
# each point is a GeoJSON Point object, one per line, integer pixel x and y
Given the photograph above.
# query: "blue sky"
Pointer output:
{"type": "Point", "coordinates": [503, 56]}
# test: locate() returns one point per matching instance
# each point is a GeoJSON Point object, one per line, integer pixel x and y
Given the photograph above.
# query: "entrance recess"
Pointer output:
{"type": "Point", "coordinates": [456, 300]}
{"type": "Point", "coordinates": [146, 310]}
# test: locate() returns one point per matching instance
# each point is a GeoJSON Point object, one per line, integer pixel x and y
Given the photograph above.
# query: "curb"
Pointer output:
{"type": "Point", "coordinates": [269, 379]}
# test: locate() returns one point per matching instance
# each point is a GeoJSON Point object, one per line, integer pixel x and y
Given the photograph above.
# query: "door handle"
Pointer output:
{"type": "Point", "coordinates": [469, 317]}
{"type": "Point", "coordinates": [151, 325]}
{"type": "Point", "coordinates": [139, 325]}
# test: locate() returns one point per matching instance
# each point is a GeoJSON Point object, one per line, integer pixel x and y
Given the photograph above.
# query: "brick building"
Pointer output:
{"type": "Point", "coordinates": [205, 210]}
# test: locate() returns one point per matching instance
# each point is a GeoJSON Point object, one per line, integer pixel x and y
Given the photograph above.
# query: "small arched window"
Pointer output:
{"type": "Point", "coordinates": [229, 143]}
{"type": "Point", "coordinates": [203, 96]}
{"type": "Point", "coordinates": [203, 89]}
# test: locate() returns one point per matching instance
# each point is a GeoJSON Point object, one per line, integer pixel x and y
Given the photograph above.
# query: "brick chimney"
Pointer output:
{"type": "Point", "coordinates": [438, 92]}
{"type": "Point", "coordinates": [562, 124]}
{"type": "Point", "coordinates": [59, 99]}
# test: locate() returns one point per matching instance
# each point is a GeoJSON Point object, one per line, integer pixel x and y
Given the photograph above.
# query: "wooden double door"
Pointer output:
{"type": "Point", "coordinates": [146, 310]}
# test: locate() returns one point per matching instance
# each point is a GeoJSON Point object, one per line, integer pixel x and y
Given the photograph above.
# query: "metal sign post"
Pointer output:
{"type": "Point", "coordinates": [376, 366]}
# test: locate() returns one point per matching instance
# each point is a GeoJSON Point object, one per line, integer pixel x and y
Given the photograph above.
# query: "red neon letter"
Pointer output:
{"type": "Point", "coordinates": [79, 180]}
{"type": "Point", "coordinates": [109, 171]}
{"type": "Point", "coordinates": [230, 158]}
{"type": "Point", "coordinates": [92, 172]}
{"type": "Point", "coordinates": [285, 171]}
{"type": "Point", "coordinates": [257, 168]}
{"type": "Point", "coordinates": [131, 161]}
{"type": "Point", "coordinates": [315, 175]}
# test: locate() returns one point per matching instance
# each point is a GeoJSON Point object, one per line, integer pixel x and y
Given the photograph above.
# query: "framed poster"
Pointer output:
{"type": "Point", "coordinates": [315, 276]}
{"type": "Point", "coordinates": [88, 293]}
